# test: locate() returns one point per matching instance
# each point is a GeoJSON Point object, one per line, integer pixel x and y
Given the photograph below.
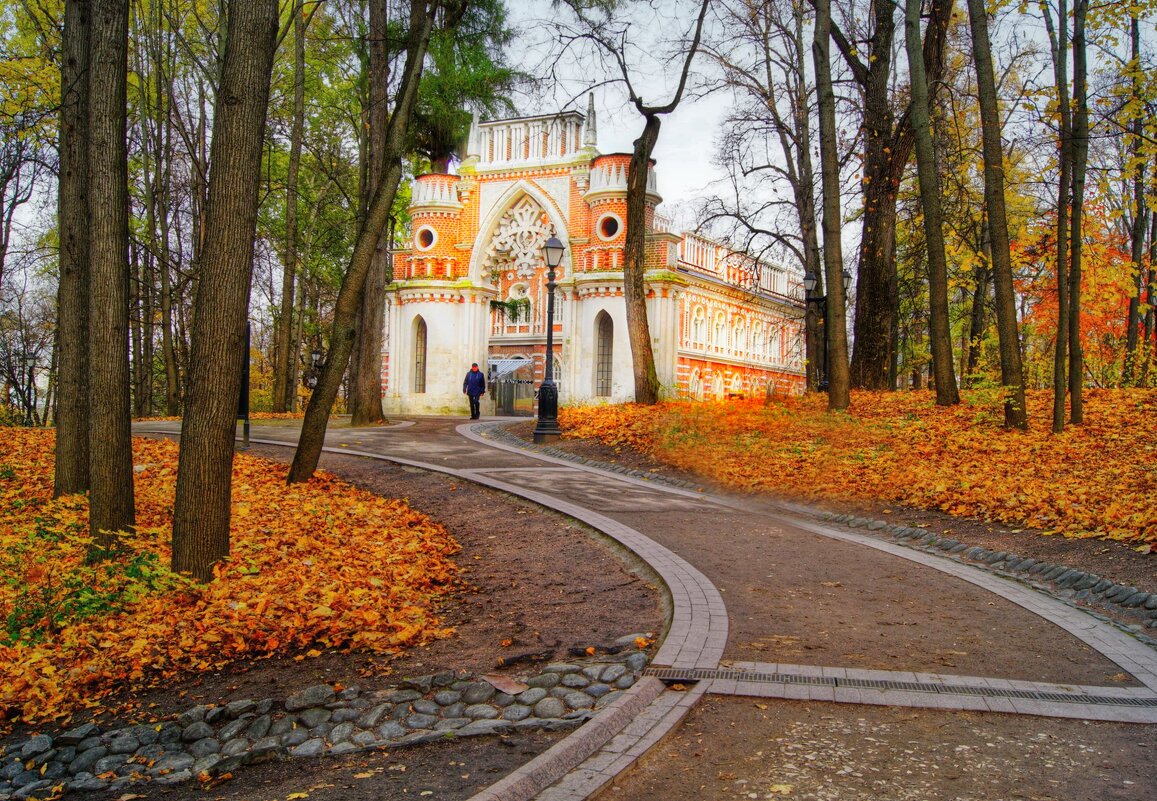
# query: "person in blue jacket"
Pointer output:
{"type": "Point", "coordinates": [474, 387]}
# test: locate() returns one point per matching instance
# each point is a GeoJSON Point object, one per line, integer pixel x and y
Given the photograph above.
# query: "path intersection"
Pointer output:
{"type": "Point", "coordinates": [767, 602]}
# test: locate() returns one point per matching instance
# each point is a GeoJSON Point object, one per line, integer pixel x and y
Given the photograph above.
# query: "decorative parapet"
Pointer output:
{"type": "Point", "coordinates": [529, 141]}
{"type": "Point", "coordinates": [608, 178]}
{"type": "Point", "coordinates": [435, 193]}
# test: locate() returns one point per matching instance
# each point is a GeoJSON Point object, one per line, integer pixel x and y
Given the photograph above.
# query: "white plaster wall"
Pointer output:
{"type": "Point", "coordinates": [582, 352]}
{"type": "Point", "coordinates": [455, 337]}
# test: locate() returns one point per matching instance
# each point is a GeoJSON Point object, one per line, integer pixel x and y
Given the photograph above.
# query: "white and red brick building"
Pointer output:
{"type": "Point", "coordinates": [472, 286]}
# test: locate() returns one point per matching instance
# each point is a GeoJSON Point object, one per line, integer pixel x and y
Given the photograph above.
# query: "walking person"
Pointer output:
{"type": "Point", "coordinates": [474, 386]}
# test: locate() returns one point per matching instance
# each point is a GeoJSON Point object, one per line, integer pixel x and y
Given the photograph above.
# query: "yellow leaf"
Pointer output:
{"type": "Point", "coordinates": [293, 796]}
{"type": "Point", "coordinates": [780, 789]}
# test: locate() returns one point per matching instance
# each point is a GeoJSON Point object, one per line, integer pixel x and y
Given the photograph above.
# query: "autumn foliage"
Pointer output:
{"type": "Point", "coordinates": [1094, 480]}
{"type": "Point", "coordinates": [315, 565]}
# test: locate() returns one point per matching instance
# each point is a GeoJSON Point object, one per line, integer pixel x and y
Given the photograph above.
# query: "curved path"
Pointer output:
{"type": "Point", "coordinates": [848, 618]}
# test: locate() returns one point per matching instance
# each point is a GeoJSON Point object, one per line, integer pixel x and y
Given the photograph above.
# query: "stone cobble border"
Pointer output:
{"type": "Point", "coordinates": [1075, 587]}
{"type": "Point", "coordinates": [207, 741]}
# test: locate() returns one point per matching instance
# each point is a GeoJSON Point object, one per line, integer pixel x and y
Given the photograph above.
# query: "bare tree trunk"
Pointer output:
{"type": "Point", "coordinates": [1059, 45]}
{"type": "Point", "coordinates": [205, 469]}
{"type": "Point", "coordinates": [349, 296]}
{"type": "Point", "coordinates": [1080, 159]}
{"type": "Point", "coordinates": [366, 369]}
{"type": "Point", "coordinates": [634, 267]}
{"type": "Point", "coordinates": [282, 378]}
{"type": "Point", "coordinates": [928, 174]}
{"type": "Point", "coordinates": [1011, 370]}
{"type": "Point", "coordinates": [111, 503]}
{"type": "Point", "coordinates": [838, 374]}
{"type": "Point", "coordinates": [1138, 227]}
{"type": "Point", "coordinates": [72, 414]}
{"type": "Point", "coordinates": [888, 145]}
{"type": "Point", "coordinates": [976, 323]}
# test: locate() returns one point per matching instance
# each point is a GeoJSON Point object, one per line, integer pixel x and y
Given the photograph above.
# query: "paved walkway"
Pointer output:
{"type": "Point", "coordinates": [695, 543]}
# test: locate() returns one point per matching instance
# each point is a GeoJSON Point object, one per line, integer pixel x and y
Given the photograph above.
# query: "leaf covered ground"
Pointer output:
{"type": "Point", "coordinates": [1094, 480]}
{"type": "Point", "coordinates": [312, 566]}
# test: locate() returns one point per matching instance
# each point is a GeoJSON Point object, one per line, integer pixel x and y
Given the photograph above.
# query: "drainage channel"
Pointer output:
{"type": "Point", "coordinates": [673, 675]}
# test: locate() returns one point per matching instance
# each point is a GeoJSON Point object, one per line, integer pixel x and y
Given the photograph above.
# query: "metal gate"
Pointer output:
{"type": "Point", "coordinates": [512, 386]}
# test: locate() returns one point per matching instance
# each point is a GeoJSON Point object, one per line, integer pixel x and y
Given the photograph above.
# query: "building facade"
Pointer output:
{"type": "Point", "coordinates": [472, 286]}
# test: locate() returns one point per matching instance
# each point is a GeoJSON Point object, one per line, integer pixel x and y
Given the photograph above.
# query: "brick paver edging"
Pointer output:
{"type": "Point", "coordinates": [695, 638]}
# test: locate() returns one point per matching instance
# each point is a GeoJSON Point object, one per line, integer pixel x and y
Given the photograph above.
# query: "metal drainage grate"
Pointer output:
{"type": "Point", "coordinates": [692, 675]}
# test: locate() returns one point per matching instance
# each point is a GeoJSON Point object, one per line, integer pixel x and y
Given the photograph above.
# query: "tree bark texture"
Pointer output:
{"type": "Point", "coordinates": [205, 468]}
{"type": "Point", "coordinates": [1059, 45]}
{"type": "Point", "coordinates": [377, 215]}
{"type": "Point", "coordinates": [1138, 223]}
{"type": "Point", "coordinates": [71, 457]}
{"type": "Point", "coordinates": [839, 379]}
{"type": "Point", "coordinates": [1080, 152]}
{"type": "Point", "coordinates": [634, 267]}
{"type": "Point", "coordinates": [366, 372]}
{"type": "Point", "coordinates": [887, 147]}
{"type": "Point", "coordinates": [111, 506]}
{"type": "Point", "coordinates": [1011, 370]}
{"type": "Point", "coordinates": [284, 375]}
{"type": "Point", "coordinates": [928, 175]}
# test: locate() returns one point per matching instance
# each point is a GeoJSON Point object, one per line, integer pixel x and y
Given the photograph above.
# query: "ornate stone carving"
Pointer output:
{"type": "Point", "coordinates": [517, 241]}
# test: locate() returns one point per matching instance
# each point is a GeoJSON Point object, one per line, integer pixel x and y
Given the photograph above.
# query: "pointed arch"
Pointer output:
{"type": "Point", "coordinates": [513, 194]}
{"type": "Point", "coordinates": [420, 337]}
{"type": "Point", "coordinates": [604, 354]}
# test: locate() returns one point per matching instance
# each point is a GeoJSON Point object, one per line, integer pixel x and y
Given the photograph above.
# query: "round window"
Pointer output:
{"type": "Point", "coordinates": [609, 226]}
{"type": "Point", "coordinates": [425, 238]}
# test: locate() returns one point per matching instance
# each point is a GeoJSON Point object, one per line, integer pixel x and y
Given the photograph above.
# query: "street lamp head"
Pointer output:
{"type": "Point", "coordinates": [809, 282]}
{"type": "Point", "coordinates": [553, 249]}
{"type": "Point", "coordinates": [847, 281]}
{"type": "Point", "coordinates": [315, 357]}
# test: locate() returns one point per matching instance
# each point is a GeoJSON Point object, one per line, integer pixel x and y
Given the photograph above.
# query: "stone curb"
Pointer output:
{"type": "Point", "coordinates": [554, 763]}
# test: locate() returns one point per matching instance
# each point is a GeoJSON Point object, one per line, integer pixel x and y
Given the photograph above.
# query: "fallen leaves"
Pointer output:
{"type": "Point", "coordinates": [314, 566]}
{"type": "Point", "coordinates": [1093, 480]}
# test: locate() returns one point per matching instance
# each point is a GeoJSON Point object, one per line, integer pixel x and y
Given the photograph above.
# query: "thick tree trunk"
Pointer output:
{"type": "Point", "coordinates": [72, 413]}
{"type": "Point", "coordinates": [205, 468]}
{"type": "Point", "coordinates": [887, 147]}
{"type": "Point", "coordinates": [838, 376]}
{"type": "Point", "coordinates": [928, 175]}
{"type": "Point", "coordinates": [111, 506]}
{"type": "Point", "coordinates": [635, 266]}
{"type": "Point", "coordinates": [1011, 370]}
{"type": "Point", "coordinates": [283, 374]}
{"type": "Point", "coordinates": [366, 371]}
{"type": "Point", "coordinates": [1080, 153]}
{"type": "Point", "coordinates": [349, 296]}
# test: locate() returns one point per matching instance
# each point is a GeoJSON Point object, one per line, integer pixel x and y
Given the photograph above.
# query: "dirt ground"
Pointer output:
{"type": "Point", "coordinates": [549, 587]}
{"type": "Point", "coordinates": [743, 748]}
{"type": "Point", "coordinates": [541, 582]}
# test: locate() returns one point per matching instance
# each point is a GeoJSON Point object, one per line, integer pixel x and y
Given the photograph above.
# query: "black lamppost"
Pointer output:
{"type": "Point", "coordinates": [315, 366]}
{"type": "Point", "coordinates": [547, 429]}
{"type": "Point", "coordinates": [810, 282]}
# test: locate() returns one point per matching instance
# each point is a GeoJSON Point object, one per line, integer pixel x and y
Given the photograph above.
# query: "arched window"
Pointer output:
{"type": "Point", "coordinates": [720, 338]}
{"type": "Point", "coordinates": [698, 325]}
{"type": "Point", "coordinates": [419, 355]}
{"type": "Point", "coordinates": [738, 340]}
{"type": "Point", "coordinates": [717, 386]}
{"type": "Point", "coordinates": [604, 361]}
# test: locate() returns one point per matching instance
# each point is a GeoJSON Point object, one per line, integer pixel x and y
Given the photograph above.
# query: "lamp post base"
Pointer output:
{"type": "Point", "coordinates": [547, 429]}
